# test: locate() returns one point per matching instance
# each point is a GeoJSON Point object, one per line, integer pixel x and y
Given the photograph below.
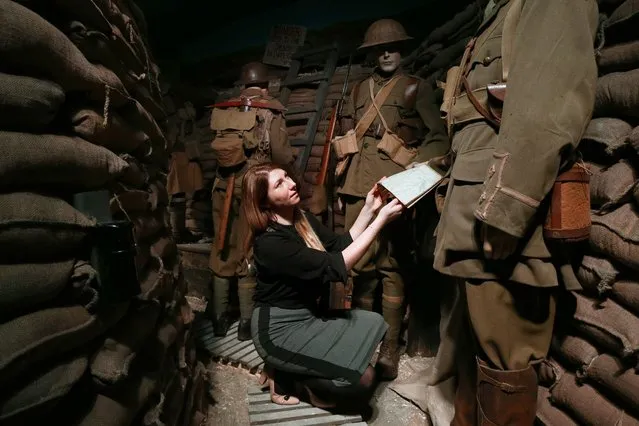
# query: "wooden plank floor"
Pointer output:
{"type": "Point", "coordinates": [228, 349]}
{"type": "Point", "coordinates": [263, 412]}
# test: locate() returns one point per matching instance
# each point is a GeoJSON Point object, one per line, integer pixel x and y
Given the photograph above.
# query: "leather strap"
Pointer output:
{"type": "Point", "coordinates": [369, 116]}
{"type": "Point", "coordinates": [495, 121]}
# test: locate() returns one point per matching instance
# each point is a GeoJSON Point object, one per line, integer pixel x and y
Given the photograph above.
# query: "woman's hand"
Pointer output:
{"type": "Point", "coordinates": [391, 211]}
{"type": "Point", "coordinates": [374, 199]}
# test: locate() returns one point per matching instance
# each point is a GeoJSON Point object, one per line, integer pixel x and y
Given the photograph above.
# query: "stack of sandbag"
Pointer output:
{"type": "Point", "coordinates": [302, 97]}
{"type": "Point", "coordinates": [594, 351]}
{"type": "Point", "coordinates": [444, 46]}
{"type": "Point", "coordinates": [78, 116]}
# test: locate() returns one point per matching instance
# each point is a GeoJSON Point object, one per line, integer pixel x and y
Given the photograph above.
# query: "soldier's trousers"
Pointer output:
{"type": "Point", "coordinates": [386, 260]}
{"type": "Point", "coordinates": [230, 263]}
{"type": "Point", "coordinates": [503, 330]}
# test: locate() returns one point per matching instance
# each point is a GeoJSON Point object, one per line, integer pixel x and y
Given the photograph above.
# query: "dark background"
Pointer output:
{"type": "Point", "coordinates": [205, 42]}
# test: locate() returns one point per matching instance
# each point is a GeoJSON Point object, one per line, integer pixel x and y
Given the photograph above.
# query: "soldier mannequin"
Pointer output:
{"type": "Point", "coordinates": [240, 144]}
{"type": "Point", "coordinates": [490, 235]}
{"type": "Point", "coordinates": [409, 111]}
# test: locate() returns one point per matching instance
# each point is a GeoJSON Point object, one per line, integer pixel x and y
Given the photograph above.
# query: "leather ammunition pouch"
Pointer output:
{"type": "Point", "coordinates": [393, 146]}
{"type": "Point", "coordinates": [568, 217]}
{"type": "Point", "coordinates": [345, 145]}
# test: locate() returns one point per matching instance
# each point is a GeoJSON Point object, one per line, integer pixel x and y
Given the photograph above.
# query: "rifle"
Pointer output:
{"type": "Point", "coordinates": [330, 132]}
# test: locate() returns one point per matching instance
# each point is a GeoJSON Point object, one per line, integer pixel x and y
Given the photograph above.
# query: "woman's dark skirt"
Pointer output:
{"type": "Point", "coordinates": [296, 341]}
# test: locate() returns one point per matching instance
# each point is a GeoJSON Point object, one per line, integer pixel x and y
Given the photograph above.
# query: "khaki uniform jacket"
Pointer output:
{"type": "Point", "coordinates": [281, 151]}
{"type": "Point", "coordinates": [502, 179]}
{"type": "Point", "coordinates": [369, 165]}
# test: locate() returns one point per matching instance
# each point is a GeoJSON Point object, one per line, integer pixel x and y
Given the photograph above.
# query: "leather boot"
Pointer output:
{"type": "Point", "coordinates": [245, 291]}
{"type": "Point", "coordinates": [388, 362]}
{"type": "Point", "coordinates": [506, 397]}
{"type": "Point", "coordinates": [466, 394]}
{"type": "Point", "coordinates": [220, 304]}
{"type": "Point", "coordinates": [244, 330]}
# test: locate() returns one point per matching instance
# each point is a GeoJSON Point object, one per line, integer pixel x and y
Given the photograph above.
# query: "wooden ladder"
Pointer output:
{"type": "Point", "coordinates": [313, 113]}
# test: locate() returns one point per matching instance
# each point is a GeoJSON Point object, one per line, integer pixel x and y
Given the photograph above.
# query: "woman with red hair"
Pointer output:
{"type": "Point", "coordinates": [325, 359]}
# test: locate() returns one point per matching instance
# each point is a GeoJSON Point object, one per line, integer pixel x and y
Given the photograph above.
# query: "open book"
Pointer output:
{"type": "Point", "coordinates": [413, 184]}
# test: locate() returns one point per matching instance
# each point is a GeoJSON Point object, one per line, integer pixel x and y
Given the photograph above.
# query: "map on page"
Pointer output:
{"type": "Point", "coordinates": [413, 184]}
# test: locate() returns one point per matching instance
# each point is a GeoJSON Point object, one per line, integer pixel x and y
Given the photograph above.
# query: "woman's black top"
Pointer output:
{"type": "Point", "coordinates": [291, 275]}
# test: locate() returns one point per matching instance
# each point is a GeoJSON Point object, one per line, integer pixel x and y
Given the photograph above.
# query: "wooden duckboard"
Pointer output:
{"type": "Point", "coordinates": [264, 412]}
{"type": "Point", "coordinates": [228, 349]}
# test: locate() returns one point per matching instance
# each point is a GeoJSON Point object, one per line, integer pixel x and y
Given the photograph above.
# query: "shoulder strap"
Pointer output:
{"type": "Point", "coordinates": [369, 116]}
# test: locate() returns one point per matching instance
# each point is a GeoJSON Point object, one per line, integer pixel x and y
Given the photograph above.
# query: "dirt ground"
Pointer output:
{"type": "Point", "coordinates": [230, 404]}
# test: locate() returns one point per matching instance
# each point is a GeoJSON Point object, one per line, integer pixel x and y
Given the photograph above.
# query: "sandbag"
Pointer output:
{"type": "Point", "coordinates": [603, 138]}
{"type": "Point", "coordinates": [114, 133]}
{"type": "Point", "coordinates": [31, 45]}
{"type": "Point", "coordinates": [608, 325]}
{"type": "Point", "coordinates": [138, 117]}
{"type": "Point", "coordinates": [443, 32]}
{"type": "Point", "coordinates": [149, 225]}
{"type": "Point", "coordinates": [548, 414]}
{"type": "Point", "coordinates": [574, 351]}
{"type": "Point", "coordinates": [167, 406]}
{"type": "Point", "coordinates": [596, 274]}
{"type": "Point", "coordinates": [621, 57]}
{"type": "Point", "coordinates": [155, 281]}
{"type": "Point", "coordinates": [196, 405]}
{"type": "Point", "coordinates": [617, 95]}
{"type": "Point", "coordinates": [55, 162]}
{"type": "Point", "coordinates": [33, 338]}
{"type": "Point", "coordinates": [121, 407]}
{"type": "Point", "coordinates": [611, 186]}
{"type": "Point", "coordinates": [24, 288]}
{"type": "Point", "coordinates": [166, 249]}
{"type": "Point", "coordinates": [586, 405]}
{"type": "Point", "coordinates": [37, 228]}
{"type": "Point", "coordinates": [136, 175]}
{"type": "Point", "coordinates": [31, 399]}
{"type": "Point", "coordinates": [141, 92]}
{"type": "Point", "coordinates": [123, 23]}
{"type": "Point", "coordinates": [608, 373]}
{"type": "Point", "coordinates": [159, 194]}
{"type": "Point", "coordinates": [632, 139]}
{"type": "Point", "coordinates": [111, 363]}
{"type": "Point", "coordinates": [622, 23]}
{"type": "Point", "coordinates": [616, 235]}
{"type": "Point", "coordinates": [626, 293]}
{"type": "Point", "coordinates": [112, 51]}
{"type": "Point", "coordinates": [132, 202]}
{"type": "Point", "coordinates": [28, 103]}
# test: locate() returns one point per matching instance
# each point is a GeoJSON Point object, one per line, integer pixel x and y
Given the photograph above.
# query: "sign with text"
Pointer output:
{"type": "Point", "coordinates": [283, 43]}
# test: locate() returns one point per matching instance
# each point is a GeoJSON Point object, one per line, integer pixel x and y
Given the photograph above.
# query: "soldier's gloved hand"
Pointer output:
{"type": "Point", "coordinates": [496, 243]}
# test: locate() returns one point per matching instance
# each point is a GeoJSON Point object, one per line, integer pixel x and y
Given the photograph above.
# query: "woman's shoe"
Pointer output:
{"type": "Point", "coordinates": [281, 399]}
{"type": "Point", "coordinates": [265, 381]}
